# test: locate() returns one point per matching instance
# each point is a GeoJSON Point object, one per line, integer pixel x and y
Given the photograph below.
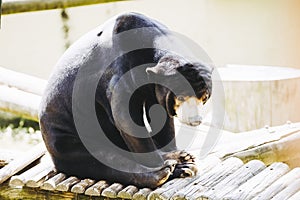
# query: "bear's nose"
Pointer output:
{"type": "Point", "coordinates": [195, 120]}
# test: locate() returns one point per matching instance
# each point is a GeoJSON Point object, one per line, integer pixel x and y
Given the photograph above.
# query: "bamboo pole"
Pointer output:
{"type": "Point", "coordinates": [17, 6]}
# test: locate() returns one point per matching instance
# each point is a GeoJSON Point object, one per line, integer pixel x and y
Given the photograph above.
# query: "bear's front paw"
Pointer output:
{"type": "Point", "coordinates": [180, 156]}
{"type": "Point", "coordinates": [185, 157]}
{"type": "Point", "coordinates": [185, 170]}
{"type": "Point", "coordinates": [161, 176]}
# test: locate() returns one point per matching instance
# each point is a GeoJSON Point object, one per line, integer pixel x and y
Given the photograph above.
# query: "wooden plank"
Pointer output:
{"type": "Point", "coordinates": [142, 194]}
{"type": "Point", "coordinates": [52, 182]}
{"type": "Point", "coordinates": [289, 191]}
{"type": "Point", "coordinates": [128, 192]}
{"type": "Point", "coordinates": [279, 185]}
{"type": "Point", "coordinates": [207, 164]}
{"type": "Point", "coordinates": [172, 187]}
{"type": "Point", "coordinates": [45, 166]}
{"type": "Point", "coordinates": [67, 184]}
{"type": "Point", "coordinates": [16, 6]}
{"type": "Point", "coordinates": [6, 156]}
{"type": "Point", "coordinates": [209, 179]}
{"type": "Point", "coordinates": [20, 163]}
{"type": "Point", "coordinates": [97, 188]}
{"type": "Point", "coordinates": [233, 181]}
{"type": "Point", "coordinates": [80, 187]}
{"type": "Point", "coordinates": [112, 191]}
{"type": "Point", "coordinates": [260, 182]}
{"type": "Point", "coordinates": [170, 191]}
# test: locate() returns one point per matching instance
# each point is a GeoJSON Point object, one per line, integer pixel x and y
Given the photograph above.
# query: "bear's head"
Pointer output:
{"type": "Point", "coordinates": [185, 104]}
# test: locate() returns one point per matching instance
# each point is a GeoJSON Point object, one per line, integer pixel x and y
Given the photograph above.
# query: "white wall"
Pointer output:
{"type": "Point", "coordinates": [258, 32]}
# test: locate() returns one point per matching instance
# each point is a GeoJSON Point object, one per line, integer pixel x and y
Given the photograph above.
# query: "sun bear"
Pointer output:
{"type": "Point", "coordinates": [133, 73]}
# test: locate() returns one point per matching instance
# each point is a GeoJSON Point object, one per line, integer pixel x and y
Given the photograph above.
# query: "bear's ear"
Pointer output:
{"type": "Point", "coordinates": [167, 66]}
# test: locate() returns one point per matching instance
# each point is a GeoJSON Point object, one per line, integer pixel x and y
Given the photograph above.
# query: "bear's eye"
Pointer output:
{"type": "Point", "coordinates": [204, 98]}
{"type": "Point", "coordinates": [180, 98]}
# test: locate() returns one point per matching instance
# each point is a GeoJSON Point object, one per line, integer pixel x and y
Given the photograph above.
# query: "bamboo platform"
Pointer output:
{"type": "Point", "coordinates": [259, 164]}
{"type": "Point", "coordinates": [217, 179]}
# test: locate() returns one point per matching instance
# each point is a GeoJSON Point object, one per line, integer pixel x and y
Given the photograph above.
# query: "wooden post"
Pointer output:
{"type": "Point", "coordinates": [256, 96]}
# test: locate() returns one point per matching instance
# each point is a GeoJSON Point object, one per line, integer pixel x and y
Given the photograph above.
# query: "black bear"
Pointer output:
{"type": "Point", "coordinates": [114, 50]}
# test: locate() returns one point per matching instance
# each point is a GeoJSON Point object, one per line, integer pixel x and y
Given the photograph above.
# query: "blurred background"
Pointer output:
{"type": "Point", "coordinates": [257, 32]}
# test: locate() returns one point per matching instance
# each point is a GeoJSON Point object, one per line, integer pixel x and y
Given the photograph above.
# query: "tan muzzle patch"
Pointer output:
{"type": "Point", "coordinates": [188, 110]}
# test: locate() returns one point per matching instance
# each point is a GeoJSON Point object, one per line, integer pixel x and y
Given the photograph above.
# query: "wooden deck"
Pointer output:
{"type": "Point", "coordinates": [217, 179]}
{"type": "Point", "coordinates": [260, 164]}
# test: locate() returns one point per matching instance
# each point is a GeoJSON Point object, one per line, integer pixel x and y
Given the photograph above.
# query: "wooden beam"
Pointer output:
{"type": "Point", "coordinates": [17, 6]}
{"type": "Point", "coordinates": [20, 93]}
{"type": "Point", "coordinates": [285, 149]}
{"type": "Point", "coordinates": [22, 81]}
{"type": "Point", "coordinates": [18, 102]}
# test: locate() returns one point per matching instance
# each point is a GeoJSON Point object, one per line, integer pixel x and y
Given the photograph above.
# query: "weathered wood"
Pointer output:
{"type": "Point", "coordinates": [80, 187]}
{"type": "Point", "coordinates": [279, 185]}
{"type": "Point", "coordinates": [282, 150]}
{"type": "Point", "coordinates": [21, 81]}
{"type": "Point", "coordinates": [15, 6]}
{"type": "Point", "coordinates": [52, 182]}
{"type": "Point", "coordinates": [165, 193]}
{"type": "Point", "coordinates": [40, 178]}
{"type": "Point", "coordinates": [204, 166]}
{"type": "Point", "coordinates": [65, 185]}
{"type": "Point", "coordinates": [18, 102]}
{"type": "Point", "coordinates": [296, 196]}
{"type": "Point", "coordinates": [44, 167]}
{"type": "Point", "coordinates": [207, 164]}
{"type": "Point", "coordinates": [6, 156]}
{"type": "Point", "coordinates": [128, 192]}
{"type": "Point", "coordinates": [112, 191]}
{"type": "Point", "coordinates": [97, 188]}
{"type": "Point", "coordinates": [233, 181]}
{"type": "Point", "coordinates": [20, 93]}
{"type": "Point", "coordinates": [14, 193]}
{"type": "Point", "coordinates": [209, 179]}
{"type": "Point", "coordinates": [268, 86]}
{"type": "Point", "coordinates": [20, 163]}
{"type": "Point", "coordinates": [289, 191]}
{"type": "Point", "coordinates": [258, 183]}
{"type": "Point", "coordinates": [142, 194]}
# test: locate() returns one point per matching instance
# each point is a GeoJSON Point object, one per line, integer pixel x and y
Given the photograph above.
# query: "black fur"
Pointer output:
{"type": "Point", "coordinates": [56, 116]}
